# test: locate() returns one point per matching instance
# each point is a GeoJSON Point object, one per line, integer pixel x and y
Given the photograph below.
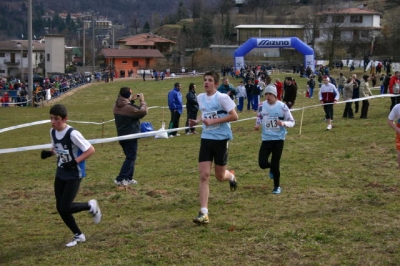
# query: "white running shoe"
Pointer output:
{"type": "Point", "coordinates": [95, 210]}
{"type": "Point", "coordinates": [329, 127]}
{"type": "Point", "coordinates": [77, 238]}
{"type": "Point", "coordinates": [131, 182]}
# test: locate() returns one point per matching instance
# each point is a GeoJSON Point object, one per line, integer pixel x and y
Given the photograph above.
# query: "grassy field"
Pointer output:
{"type": "Point", "coordinates": [339, 206]}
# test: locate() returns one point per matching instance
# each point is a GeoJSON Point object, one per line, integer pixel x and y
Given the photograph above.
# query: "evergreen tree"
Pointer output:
{"type": "Point", "coordinates": [146, 27]}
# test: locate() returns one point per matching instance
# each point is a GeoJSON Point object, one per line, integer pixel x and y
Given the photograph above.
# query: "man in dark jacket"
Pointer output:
{"type": "Point", "coordinates": [192, 107]}
{"type": "Point", "coordinates": [249, 89]}
{"type": "Point", "coordinates": [290, 91]}
{"type": "Point", "coordinates": [127, 116]}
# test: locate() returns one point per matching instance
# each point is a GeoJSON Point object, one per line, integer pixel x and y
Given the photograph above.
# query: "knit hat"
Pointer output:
{"type": "Point", "coordinates": [271, 89]}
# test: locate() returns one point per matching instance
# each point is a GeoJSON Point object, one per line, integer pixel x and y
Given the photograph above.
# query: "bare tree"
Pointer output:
{"type": "Point", "coordinates": [135, 23]}
{"type": "Point", "coordinates": [196, 6]}
{"type": "Point", "coordinates": [223, 7]}
{"type": "Point", "coordinates": [391, 36]}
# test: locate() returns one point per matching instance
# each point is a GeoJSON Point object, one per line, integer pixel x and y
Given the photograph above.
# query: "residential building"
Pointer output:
{"type": "Point", "coordinates": [14, 57]}
{"type": "Point", "coordinates": [146, 41]}
{"type": "Point", "coordinates": [55, 53]}
{"type": "Point", "coordinates": [357, 27]}
{"type": "Point", "coordinates": [137, 52]}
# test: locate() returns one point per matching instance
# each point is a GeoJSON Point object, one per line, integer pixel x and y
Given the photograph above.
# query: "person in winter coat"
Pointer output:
{"type": "Point", "coordinates": [364, 92]}
{"type": "Point", "coordinates": [328, 95]}
{"type": "Point", "coordinates": [192, 107]}
{"type": "Point", "coordinates": [394, 85]}
{"type": "Point", "coordinates": [348, 95]}
{"type": "Point", "coordinates": [127, 116]}
{"type": "Point", "coordinates": [290, 92]}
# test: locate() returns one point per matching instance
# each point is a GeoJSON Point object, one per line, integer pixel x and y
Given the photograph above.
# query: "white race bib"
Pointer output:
{"type": "Point", "coordinates": [270, 123]}
{"type": "Point", "coordinates": [211, 115]}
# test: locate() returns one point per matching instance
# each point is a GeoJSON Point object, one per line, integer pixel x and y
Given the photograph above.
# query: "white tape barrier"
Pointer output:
{"type": "Point", "coordinates": [146, 134]}
{"type": "Point", "coordinates": [24, 125]}
{"type": "Point", "coordinates": [18, 103]}
{"type": "Point", "coordinates": [96, 141]}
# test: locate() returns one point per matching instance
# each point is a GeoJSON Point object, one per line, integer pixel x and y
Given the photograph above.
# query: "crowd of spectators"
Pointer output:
{"type": "Point", "coordinates": [14, 92]}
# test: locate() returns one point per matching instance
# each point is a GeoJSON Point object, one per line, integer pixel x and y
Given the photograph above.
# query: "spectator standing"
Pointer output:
{"type": "Point", "coordinates": [364, 92]}
{"type": "Point", "coordinates": [249, 89]}
{"type": "Point", "coordinates": [381, 83]}
{"type": "Point", "coordinates": [386, 82]}
{"type": "Point", "coordinates": [241, 95]}
{"type": "Point", "coordinates": [340, 83]}
{"type": "Point", "coordinates": [72, 150]}
{"type": "Point", "coordinates": [227, 88]}
{"type": "Point", "coordinates": [394, 87]}
{"type": "Point", "coordinates": [328, 95]}
{"type": "Point", "coordinates": [5, 99]}
{"type": "Point", "coordinates": [255, 95]}
{"type": "Point", "coordinates": [218, 110]}
{"type": "Point", "coordinates": [311, 85]}
{"type": "Point", "coordinates": [290, 92]}
{"type": "Point", "coordinates": [273, 116]}
{"type": "Point", "coordinates": [192, 107]}
{"type": "Point", "coordinates": [348, 95]}
{"type": "Point", "coordinates": [176, 107]}
{"type": "Point", "coordinates": [279, 89]}
{"type": "Point", "coordinates": [127, 122]}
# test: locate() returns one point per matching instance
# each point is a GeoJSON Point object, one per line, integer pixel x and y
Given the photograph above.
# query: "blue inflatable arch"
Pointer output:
{"type": "Point", "coordinates": [290, 42]}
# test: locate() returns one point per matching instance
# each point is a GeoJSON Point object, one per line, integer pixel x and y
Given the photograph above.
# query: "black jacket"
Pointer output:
{"type": "Point", "coordinates": [192, 104]}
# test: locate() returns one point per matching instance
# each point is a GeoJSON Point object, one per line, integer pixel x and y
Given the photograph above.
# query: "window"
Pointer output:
{"type": "Point", "coordinates": [2, 71]}
{"type": "Point", "coordinates": [48, 57]}
{"type": "Point", "coordinates": [322, 19]}
{"type": "Point", "coordinates": [25, 55]}
{"type": "Point", "coordinates": [317, 34]}
{"type": "Point", "coordinates": [124, 62]}
{"type": "Point", "coordinates": [356, 19]}
{"type": "Point", "coordinates": [2, 54]}
{"type": "Point", "coordinates": [135, 63]}
{"type": "Point", "coordinates": [338, 19]}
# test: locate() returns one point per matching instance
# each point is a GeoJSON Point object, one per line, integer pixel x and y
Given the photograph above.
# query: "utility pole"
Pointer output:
{"type": "Point", "coordinates": [93, 56]}
{"type": "Point", "coordinates": [83, 52]}
{"type": "Point", "coordinates": [30, 53]}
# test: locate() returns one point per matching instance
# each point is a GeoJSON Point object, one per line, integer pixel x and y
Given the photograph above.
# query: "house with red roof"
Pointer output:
{"type": "Point", "coordinates": [136, 52]}
{"type": "Point", "coordinates": [356, 25]}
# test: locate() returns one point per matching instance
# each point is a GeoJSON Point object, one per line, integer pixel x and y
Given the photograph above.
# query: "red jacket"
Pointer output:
{"type": "Point", "coordinates": [392, 81]}
{"type": "Point", "coordinates": [279, 91]}
{"type": "Point", "coordinates": [5, 98]}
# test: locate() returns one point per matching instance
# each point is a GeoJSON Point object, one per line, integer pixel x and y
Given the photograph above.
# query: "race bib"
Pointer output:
{"type": "Point", "coordinates": [211, 115]}
{"type": "Point", "coordinates": [63, 156]}
{"type": "Point", "coordinates": [270, 123]}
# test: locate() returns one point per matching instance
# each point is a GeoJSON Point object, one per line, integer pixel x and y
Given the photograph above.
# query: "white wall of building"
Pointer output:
{"type": "Point", "coordinates": [54, 53]}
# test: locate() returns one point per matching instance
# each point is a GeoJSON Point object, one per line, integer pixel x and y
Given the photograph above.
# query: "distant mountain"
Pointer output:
{"type": "Point", "coordinates": [13, 18]}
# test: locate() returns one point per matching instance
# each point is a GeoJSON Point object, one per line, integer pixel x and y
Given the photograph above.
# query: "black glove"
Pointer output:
{"type": "Point", "coordinates": [46, 154]}
{"type": "Point", "coordinates": [71, 165]}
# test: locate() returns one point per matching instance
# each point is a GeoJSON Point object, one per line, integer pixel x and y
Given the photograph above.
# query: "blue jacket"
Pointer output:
{"type": "Point", "coordinates": [175, 100]}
